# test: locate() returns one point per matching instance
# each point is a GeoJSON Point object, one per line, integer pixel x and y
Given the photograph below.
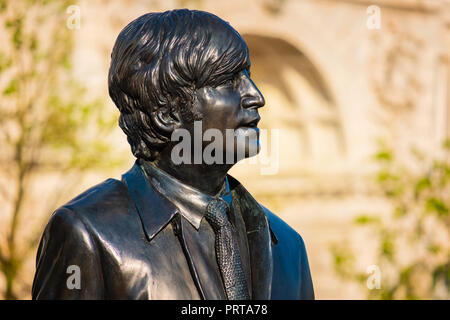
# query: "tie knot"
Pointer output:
{"type": "Point", "coordinates": [216, 213]}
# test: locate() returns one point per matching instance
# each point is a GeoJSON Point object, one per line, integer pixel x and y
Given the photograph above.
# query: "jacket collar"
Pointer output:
{"type": "Point", "coordinates": [148, 201]}
{"type": "Point", "coordinates": [190, 201]}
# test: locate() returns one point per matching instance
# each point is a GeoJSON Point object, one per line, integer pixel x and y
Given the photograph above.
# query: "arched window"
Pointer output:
{"type": "Point", "coordinates": [299, 104]}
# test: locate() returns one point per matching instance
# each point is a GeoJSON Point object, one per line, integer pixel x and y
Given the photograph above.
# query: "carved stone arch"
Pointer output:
{"type": "Point", "coordinates": [299, 103]}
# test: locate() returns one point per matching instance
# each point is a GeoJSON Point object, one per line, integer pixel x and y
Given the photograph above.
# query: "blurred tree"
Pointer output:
{"type": "Point", "coordinates": [413, 242]}
{"type": "Point", "coordinates": [47, 123]}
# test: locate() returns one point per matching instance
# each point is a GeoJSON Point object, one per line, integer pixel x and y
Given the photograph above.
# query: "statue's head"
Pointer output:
{"type": "Point", "coordinates": [171, 69]}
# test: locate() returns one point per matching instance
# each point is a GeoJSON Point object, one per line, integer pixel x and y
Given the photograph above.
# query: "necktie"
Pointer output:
{"type": "Point", "coordinates": [227, 252]}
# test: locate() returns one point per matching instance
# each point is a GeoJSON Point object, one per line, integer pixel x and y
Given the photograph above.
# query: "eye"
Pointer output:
{"type": "Point", "coordinates": [229, 82]}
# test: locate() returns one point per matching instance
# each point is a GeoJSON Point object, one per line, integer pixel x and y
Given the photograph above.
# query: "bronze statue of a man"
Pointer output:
{"type": "Point", "coordinates": [173, 229]}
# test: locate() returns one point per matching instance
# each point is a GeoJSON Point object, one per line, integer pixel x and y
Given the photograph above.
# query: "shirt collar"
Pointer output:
{"type": "Point", "coordinates": [190, 201]}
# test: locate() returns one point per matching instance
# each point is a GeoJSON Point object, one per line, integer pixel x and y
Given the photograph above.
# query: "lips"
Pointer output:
{"type": "Point", "coordinates": [250, 122]}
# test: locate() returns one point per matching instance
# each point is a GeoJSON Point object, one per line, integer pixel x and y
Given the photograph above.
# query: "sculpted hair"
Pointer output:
{"type": "Point", "coordinates": [158, 62]}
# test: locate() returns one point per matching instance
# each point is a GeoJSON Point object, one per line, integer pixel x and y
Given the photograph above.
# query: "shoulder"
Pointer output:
{"type": "Point", "coordinates": [281, 229]}
{"type": "Point", "coordinates": [107, 193]}
{"type": "Point", "coordinates": [65, 229]}
{"type": "Point", "coordinates": [107, 198]}
{"type": "Point", "coordinates": [290, 252]}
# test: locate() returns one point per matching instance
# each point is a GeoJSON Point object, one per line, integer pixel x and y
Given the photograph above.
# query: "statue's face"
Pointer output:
{"type": "Point", "coordinates": [232, 105]}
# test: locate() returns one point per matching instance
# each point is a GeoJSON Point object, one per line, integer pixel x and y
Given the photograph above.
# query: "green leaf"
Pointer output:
{"type": "Point", "coordinates": [434, 248]}
{"type": "Point", "coordinates": [421, 185]}
{"type": "Point", "coordinates": [399, 212]}
{"type": "Point", "coordinates": [406, 273]}
{"type": "Point", "coordinates": [387, 246]}
{"type": "Point", "coordinates": [3, 5]}
{"type": "Point", "coordinates": [366, 219]}
{"type": "Point", "coordinates": [384, 176]}
{"type": "Point", "coordinates": [384, 156]}
{"type": "Point", "coordinates": [436, 205]}
{"type": "Point", "coordinates": [11, 87]}
{"type": "Point", "coordinates": [442, 273]}
{"type": "Point", "coordinates": [446, 144]}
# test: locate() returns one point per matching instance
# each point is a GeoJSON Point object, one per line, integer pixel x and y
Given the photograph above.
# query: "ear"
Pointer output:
{"type": "Point", "coordinates": [166, 120]}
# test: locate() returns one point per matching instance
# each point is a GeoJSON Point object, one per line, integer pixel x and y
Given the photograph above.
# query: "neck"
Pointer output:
{"type": "Point", "coordinates": [206, 178]}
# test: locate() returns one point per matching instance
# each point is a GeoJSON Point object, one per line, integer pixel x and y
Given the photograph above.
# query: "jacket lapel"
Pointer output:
{"type": "Point", "coordinates": [259, 238]}
{"type": "Point", "coordinates": [154, 210]}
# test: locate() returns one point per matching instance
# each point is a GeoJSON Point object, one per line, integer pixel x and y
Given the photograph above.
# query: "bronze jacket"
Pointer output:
{"type": "Point", "coordinates": [129, 242]}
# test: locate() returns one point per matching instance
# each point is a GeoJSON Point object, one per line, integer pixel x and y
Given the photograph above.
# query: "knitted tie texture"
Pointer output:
{"type": "Point", "coordinates": [227, 252]}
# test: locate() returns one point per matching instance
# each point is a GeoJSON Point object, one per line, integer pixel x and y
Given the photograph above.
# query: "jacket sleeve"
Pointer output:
{"type": "Point", "coordinates": [67, 263]}
{"type": "Point", "coordinates": [306, 284]}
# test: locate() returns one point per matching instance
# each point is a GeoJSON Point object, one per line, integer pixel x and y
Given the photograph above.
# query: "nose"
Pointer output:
{"type": "Point", "coordinates": [252, 97]}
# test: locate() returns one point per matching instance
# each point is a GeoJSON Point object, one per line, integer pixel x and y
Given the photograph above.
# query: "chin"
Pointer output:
{"type": "Point", "coordinates": [246, 148]}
